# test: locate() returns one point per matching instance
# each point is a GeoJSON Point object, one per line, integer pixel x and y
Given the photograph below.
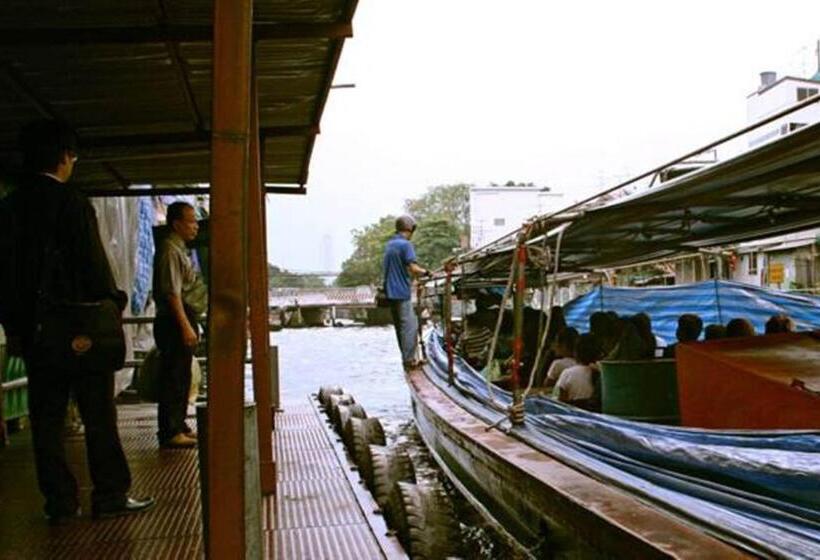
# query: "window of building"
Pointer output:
{"type": "Point", "coordinates": [804, 93]}
{"type": "Point", "coordinates": [752, 263]}
{"type": "Point", "coordinates": [499, 222]}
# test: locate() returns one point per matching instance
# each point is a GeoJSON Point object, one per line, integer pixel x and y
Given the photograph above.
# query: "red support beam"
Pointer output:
{"type": "Point", "coordinates": [258, 299]}
{"type": "Point", "coordinates": [226, 346]}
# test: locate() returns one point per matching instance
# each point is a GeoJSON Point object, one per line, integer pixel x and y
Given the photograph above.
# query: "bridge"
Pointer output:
{"type": "Point", "coordinates": [297, 307]}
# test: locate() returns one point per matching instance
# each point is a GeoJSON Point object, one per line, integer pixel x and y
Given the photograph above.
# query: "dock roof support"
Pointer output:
{"type": "Point", "coordinates": [258, 299]}
{"type": "Point", "coordinates": [228, 286]}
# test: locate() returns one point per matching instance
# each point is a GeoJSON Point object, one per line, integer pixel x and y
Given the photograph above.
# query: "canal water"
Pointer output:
{"type": "Point", "coordinates": [366, 362]}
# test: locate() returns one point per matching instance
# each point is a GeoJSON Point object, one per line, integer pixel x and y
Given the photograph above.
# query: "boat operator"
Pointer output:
{"type": "Point", "coordinates": [398, 267]}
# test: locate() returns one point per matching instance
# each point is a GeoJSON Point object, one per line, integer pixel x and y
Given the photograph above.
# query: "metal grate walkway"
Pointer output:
{"type": "Point", "coordinates": [318, 515]}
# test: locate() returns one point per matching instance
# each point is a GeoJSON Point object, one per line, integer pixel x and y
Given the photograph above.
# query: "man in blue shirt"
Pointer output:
{"type": "Point", "coordinates": [398, 265]}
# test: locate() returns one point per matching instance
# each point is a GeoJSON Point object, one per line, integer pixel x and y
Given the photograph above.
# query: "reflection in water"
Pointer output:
{"type": "Point", "coordinates": [365, 361]}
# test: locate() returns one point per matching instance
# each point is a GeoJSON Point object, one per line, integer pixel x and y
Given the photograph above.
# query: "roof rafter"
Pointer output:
{"type": "Point", "coordinates": [189, 33]}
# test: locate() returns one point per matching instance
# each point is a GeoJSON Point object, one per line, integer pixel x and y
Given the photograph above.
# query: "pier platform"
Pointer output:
{"type": "Point", "coordinates": [319, 511]}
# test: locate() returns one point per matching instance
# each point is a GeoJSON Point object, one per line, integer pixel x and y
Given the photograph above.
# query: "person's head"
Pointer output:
{"type": "Point", "coordinates": [779, 323]}
{"type": "Point", "coordinates": [405, 226]}
{"type": "Point", "coordinates": [689, 327]}
{"type": "Point", "coordinates": [181, 219]}
{"type": "Point", "coordinates": [565, 342]}
{"type": "Point", "coordinates": [714, 332]}
{"type": "Point", "coordinates": [587, 349]}
{"type": "Point", "coordinates": [739, 327]}
{"type": "Point", "coordinates": [557, 322]}
{"type": "Point", "coordinates": [630, 344]}
{"type": "Point", "coordinates": [49, 146]}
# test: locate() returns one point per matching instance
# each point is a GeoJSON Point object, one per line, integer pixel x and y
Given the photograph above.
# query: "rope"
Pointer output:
{"type": "Point", "coordinates": [499, 320]}
{"type": "Point", "coordinates": [543, 342]}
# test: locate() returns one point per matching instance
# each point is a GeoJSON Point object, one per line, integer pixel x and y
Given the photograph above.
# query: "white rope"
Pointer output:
{"type": "Point", "coordinates": [551, 292]}
{"type": "Point", "coordinates": [499, 320]}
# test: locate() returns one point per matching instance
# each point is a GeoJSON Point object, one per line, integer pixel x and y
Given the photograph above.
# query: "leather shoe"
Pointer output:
{"type": "Point", "coordinates": [129, 506]}
{"type": "Point", "coordinates": [179, 441]}
{"type": "Point", "coordinates": [63, 517]}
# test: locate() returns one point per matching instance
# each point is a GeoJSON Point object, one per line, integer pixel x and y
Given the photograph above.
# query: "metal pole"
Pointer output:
{"type": "Point", "coordinates": [518, 319]}
{"type": "Point", "coordinates": [448, 324]}
{"type": "Point", "coordinates": [258, 299]}
{"type": "Point", "coordinates": [228, 290]}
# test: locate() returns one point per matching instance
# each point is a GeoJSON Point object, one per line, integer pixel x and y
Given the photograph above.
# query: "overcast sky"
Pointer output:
{"type": "Point", "coordinates": [572, 95]}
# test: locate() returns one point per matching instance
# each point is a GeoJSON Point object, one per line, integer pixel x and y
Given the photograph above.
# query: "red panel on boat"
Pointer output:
{"type": "Point", "coordinates": [760, 382]}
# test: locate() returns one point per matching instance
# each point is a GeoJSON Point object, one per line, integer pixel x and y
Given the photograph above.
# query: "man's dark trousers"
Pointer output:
{"type": "Point", "coordinates": [174, 379]}
{"type": "Point", "coordinates": [48, 399]}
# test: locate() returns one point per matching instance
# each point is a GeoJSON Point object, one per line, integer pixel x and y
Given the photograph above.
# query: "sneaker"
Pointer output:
{"type": "Point", "coordinates": [179, 441]}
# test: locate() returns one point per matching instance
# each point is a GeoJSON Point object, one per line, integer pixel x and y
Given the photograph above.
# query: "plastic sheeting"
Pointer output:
{"type": "Point", "coordinates": [715, 301]}
{"type": "Point", "coordinates": [757, 490]}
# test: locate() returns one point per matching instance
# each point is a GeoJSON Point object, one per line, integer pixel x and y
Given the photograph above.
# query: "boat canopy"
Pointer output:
{"type": "Point", "coordinates": [770, 190]}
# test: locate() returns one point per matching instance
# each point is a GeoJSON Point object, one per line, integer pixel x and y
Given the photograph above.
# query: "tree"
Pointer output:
{"type": "Point", "coordinates": [282, 278]}
{"type": "Point", "coordinates": [436, 240]}
{"type": "Point", "coordinates": [449, 202]}
{"type": "Point", "coordinates": [364, 266]}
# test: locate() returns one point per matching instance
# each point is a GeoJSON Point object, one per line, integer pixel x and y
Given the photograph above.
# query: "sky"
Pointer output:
{"type": "Point", "coordinates": [570, 95]}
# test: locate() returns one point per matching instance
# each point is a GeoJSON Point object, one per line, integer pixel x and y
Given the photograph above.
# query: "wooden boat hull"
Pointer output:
{"type": "Point", "coordinates": [535, 497]}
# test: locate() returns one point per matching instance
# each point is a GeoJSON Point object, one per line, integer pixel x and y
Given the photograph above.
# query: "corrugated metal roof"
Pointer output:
{"type": "Point", "coordinates": [134, 78]}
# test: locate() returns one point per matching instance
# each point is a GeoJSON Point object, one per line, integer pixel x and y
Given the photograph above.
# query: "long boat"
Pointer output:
{"type": "Point", "coordinates": [556, 478]}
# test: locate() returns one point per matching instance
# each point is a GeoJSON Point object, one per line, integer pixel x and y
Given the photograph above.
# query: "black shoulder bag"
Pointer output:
{"type": "Point", "coordinates": [75, 336]}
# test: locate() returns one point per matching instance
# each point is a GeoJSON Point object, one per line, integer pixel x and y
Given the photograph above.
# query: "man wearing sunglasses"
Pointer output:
{"type": "Point", "coordinates": [399, 266]}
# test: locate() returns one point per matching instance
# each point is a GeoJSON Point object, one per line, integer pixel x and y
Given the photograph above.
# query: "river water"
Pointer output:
{"type": "Point", "coordinates": [365, 361]}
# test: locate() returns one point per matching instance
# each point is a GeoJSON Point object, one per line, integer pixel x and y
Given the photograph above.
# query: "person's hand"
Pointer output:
{"type": "Point", "coordinates": [189, 336]}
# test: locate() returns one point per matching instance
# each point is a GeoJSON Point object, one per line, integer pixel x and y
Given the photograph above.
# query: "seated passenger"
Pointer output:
{"type": "Point", "coordinates": [605, 326]}
{"type": "Point", "coordinates": [689, 328]}
{"type": "Point", "coordinates": [739, 327]}
{"type": "Point", "coordinates": [564, 351]}
{"type": "Point", "coordinates": [631, 345]}
{"type": "Point", "coordinates": [644, 324]}
{"type": "Point", "coordinates": [577, 385]}
{"type": "Point", "coordinates": [714, 332]}
{"type": "Point", "coordinates": [779, 323]}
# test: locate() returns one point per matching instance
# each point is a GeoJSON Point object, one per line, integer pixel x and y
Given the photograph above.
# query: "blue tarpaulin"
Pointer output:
{"type": "Point", "coordinates": [715, 301]}
{"type": "Point", "coordinates": [759, 490]}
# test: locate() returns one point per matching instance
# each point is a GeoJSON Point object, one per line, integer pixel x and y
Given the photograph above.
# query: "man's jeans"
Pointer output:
{"type": "Point", "coordinates": [406, 325]}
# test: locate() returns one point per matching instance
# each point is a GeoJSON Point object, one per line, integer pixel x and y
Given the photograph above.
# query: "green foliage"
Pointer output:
{"type": "Point", "coordinates": [281, 278]}
{"type": "Point", "coordinates": [448, 202]}
{"type": "Point", "coordinates": [364, 266]}
{"type": "Point", "coordinates": [435, 240]}
{"type": "Point", "coordinates": [443, 217]}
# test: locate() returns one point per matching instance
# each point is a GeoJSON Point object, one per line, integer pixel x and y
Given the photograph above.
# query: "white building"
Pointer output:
{"type": "Point", "coordinates": [498, 210]}
{"type": "Point", "coordinates": [773, 96]}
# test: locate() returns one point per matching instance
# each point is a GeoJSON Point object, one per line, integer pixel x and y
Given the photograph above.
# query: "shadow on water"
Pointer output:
{"type": "Point", "coordinates": [365, 362]}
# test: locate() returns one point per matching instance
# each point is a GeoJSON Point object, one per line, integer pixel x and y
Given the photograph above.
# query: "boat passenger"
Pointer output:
{"type": "Point", "coordinates": [605, 326]}
{"type": "Point", "coordinates": [578, 385]}
{"type": "Point", "coordinates": [689, 329]}
{"type": "Point", "coordinates": [564, 350]}
{"type": "Point", "coordinates": [779, 323]}
{"type": "Point", "coordinates": [714, 332]}
{"type": "Point", "coordinates": [644, 324]}
{"type": "Point", "coordinates": [739, 327]}
{"type": "Point", "coordinates": [631, 345]}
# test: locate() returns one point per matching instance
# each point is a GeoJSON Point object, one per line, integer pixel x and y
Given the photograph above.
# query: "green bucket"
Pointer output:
{"type": "Point", "coordinates": [642, 390]}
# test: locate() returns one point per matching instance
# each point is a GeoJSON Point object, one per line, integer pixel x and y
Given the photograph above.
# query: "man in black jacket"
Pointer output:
{"type": "Point", "coordinates": [46, 211]}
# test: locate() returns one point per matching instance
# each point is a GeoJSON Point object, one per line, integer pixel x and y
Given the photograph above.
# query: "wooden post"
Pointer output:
{"type": "Point", "coordinates": [258, 299]}
{"type": "Point", "coordinates": [448, 324]}
{"type": "Point", "coordinates": [518, 319]}
{"type": "Point", "coordinates": [228, 287]}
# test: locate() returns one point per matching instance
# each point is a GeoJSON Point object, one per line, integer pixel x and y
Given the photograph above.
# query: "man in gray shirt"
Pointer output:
{"type": "Point", "coordinates": [181, 299]}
